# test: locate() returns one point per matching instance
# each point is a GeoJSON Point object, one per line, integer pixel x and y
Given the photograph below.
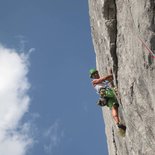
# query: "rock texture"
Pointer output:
{"type": "Point", "coordinates": [116, 26]}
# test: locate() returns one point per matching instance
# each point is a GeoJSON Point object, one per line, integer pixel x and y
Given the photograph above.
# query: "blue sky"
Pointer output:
{"type": "Point", "coordinates": [62, 115]}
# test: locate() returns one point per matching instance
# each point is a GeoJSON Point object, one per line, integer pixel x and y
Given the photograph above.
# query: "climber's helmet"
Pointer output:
{"type": "Point", "coordinates": [92, 72]}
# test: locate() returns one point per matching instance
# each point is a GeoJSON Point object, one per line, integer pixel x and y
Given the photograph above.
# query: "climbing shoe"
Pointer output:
{"type": "Point", "coordinates": [121, 126]}
{"type": "Point", "coordinates": [121, 130]}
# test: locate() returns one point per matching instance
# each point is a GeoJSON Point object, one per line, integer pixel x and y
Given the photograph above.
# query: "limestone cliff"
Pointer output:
{"type": "Point", "coordinates": [116, 26]}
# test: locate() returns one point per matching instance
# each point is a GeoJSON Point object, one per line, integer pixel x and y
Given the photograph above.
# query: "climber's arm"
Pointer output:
{"type": "Point", "coordinates": [101, 79]}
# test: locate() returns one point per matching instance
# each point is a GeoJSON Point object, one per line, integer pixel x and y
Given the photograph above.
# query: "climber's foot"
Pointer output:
{"type": "Point", "coordinates": [121, 126]}
{"type": "Point", "coordinates": [121, 129]}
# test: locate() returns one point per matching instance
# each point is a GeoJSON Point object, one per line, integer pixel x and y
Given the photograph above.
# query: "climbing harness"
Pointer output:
{"type": "Point", "coordinates": [107, 96]}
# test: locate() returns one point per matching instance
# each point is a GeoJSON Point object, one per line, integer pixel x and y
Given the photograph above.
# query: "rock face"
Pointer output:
{"type": "Point", "coordinates": [118, 26]}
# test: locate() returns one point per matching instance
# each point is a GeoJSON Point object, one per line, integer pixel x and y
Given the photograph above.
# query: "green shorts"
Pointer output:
{"type": "Point", "coordinates": [109, 94]}
{"type": "Point", "coordinates": [112, 102]}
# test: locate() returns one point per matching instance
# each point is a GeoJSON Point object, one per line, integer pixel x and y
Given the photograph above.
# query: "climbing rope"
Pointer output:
{"type": "Point", "coordinates": [149, 50]}
{"type": "Point", "coordinates": [138, 34]}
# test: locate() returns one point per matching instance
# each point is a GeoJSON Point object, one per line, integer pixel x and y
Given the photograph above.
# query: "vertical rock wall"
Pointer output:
{"type": "Point", "coordinates": [116, 26]}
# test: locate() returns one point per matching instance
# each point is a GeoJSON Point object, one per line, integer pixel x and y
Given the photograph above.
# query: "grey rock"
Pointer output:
{"type": "Point", "coordinates": [116, 26]}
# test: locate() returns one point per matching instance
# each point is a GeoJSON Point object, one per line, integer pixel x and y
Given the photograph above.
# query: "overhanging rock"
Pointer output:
{"type": "Point", "coordinates": [116, 26]}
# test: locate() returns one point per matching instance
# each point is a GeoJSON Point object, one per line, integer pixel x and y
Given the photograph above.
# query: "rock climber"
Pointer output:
{"type": "Point", "coordinates": [107, 94]}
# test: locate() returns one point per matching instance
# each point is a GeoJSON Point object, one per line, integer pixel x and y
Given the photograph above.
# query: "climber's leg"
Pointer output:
{"type": "Point", "coordinates": [114, 110]}
{"type": "Point", "coordinates": [116, 118]}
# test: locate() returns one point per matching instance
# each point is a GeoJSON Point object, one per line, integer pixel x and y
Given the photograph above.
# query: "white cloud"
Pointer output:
{"type": "Point", "coordinates": [14, 102]}
{"type": "Point", "coordinates": [54, 135]}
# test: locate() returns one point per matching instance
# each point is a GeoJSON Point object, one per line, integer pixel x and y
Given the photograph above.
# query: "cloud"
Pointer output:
{"type": "Point", "coordinates": [54, 135]}
{"type": "Point", "coordinates": [14, 102]}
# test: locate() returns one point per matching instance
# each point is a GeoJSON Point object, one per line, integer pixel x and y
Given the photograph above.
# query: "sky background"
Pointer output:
{"type": "Point", "coordinates": [48, 105]}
